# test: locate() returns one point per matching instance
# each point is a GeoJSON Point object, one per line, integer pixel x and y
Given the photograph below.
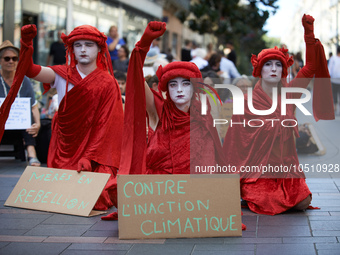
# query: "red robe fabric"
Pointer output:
{"type": "Point", "coordinates": [168, 148]}
{"type": "Point", "coordinates": [262, 146]}
{"type": "Point", "coordinates": [89, 124]}
{"type": "Point", "coordinates": [191, 141]}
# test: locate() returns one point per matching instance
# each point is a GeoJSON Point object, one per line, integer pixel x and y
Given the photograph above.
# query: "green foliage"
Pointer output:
{"type": "Point", "coordinates": [271, 42]}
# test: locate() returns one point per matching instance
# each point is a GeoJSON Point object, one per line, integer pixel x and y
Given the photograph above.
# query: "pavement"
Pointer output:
{"type": "Point", "coordinates": [309, 232]}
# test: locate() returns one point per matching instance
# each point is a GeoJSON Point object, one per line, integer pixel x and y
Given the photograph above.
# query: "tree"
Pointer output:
{"type": "Point", "coordinates": [231, 20]}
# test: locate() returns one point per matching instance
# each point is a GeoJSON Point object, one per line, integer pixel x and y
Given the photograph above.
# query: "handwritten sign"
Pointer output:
{"type": "Point", "coordinates": [20, 114]}
{"type": "Point", "coordinates": [57, 190]}
{"type": "Point", "coordinates": [177, 206]}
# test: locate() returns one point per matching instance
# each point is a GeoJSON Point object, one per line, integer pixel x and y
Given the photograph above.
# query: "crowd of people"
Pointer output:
{"type": "Point", "coordinates": [163, 130]}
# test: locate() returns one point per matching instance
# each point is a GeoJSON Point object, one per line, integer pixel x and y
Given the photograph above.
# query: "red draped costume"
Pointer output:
{"type": "Point", "coordinates": [275, 146]}
{"type": "Point", "coordinates": [189, 141]}
{"type": "Point", "coordinates": [89, 124]}
{"type": "Point", "coordinates": [168, 149]}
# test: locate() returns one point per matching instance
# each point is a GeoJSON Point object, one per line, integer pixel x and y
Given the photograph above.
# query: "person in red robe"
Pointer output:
{"type": "Point", "coordinates": [175, 120]}
{"type": "Point", "coordinates": [87, 129]}
{"type": "Point", "coordinates": [273, 144]}
{"type": "Point", "coordinates": [179, 136]}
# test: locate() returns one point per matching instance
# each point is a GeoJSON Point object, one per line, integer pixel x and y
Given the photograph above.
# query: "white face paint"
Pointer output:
{"type": "Point", "coordinates": [271, 71]}
{"type": "Point", "coordinates": [85, 51]}
{"type": "Point", "coordinates": [181, 91]}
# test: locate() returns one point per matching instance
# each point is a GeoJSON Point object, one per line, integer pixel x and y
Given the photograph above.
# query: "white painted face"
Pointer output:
{"type": "Point", "coordinates": [272, 71]}
{"type": "Point", "coordinates": [85, 51]}
{"type": "Point", "coordinates": [181, 91]}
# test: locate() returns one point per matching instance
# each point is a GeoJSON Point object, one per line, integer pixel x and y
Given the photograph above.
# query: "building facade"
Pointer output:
{"type": "Point", "coordinates": [130, 16]}
{"type": "Point", "coordinates": [326, 26]}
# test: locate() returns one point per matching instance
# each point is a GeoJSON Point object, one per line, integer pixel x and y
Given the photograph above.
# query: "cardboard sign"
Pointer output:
{"type": "Point", "coordinates": [177, 206]}
{"type": "Point", "coordinates": [57, 190]}
{"type": "Point", "coordinates": [20, 114]}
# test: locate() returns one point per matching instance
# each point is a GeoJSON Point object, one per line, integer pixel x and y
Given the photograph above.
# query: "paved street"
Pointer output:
{"type": "Point", "coordinates": [311, 232]}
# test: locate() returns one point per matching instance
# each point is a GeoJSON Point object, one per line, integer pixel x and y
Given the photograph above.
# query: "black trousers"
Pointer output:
{"type": "Point", "coordinates": [14, 136]}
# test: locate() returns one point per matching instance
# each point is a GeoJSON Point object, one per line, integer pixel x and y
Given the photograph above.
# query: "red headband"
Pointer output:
{"type": "Point", "coordinates": [176, 69]}
{"type": "Point", "coordinates": [87, 32]}
{"type": "Point", "coordinates": [268, 54]}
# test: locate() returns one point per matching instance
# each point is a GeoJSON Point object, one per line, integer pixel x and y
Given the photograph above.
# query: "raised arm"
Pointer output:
{"type": "Point", "coordinates": [37, 72]}
{"type": "Point", "coordinates": [154, 30]}
{"type": "Point", "coordinates": [307, 72]}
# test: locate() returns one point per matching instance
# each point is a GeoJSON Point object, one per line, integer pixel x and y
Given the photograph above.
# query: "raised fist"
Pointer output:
{"type": "Point", "coordinates": [84, 165]}
{"type": "Point", "coordinates": [153, 30]}
{"type": "Point", "coordinates": [307, 22]}
{"type": "Point", "coordinates": [28, 32]}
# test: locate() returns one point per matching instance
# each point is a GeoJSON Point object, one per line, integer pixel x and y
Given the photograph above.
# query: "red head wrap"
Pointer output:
{"type": "Point", "coordinates": [87, 32]}
{"type": "Point", "coordinates": [269, 54]}
{"type": "Point", "coordinates": [176, 69]}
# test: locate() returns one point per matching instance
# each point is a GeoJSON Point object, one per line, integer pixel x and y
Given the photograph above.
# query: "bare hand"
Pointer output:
{"type": "Point", "coordinates": [33, 130]}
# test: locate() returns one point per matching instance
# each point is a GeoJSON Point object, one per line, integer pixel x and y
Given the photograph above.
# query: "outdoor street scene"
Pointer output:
{"type": "Point", "coordinates": [119, 120]}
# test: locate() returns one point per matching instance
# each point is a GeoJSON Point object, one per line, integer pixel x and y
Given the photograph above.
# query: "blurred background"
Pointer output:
{"type": "Point", "coordinates": [249, 25]}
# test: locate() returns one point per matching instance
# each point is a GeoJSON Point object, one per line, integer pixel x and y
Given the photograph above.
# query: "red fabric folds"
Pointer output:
{"type": "Point", "coordinates": [134, 135]}
{"type": "Point", "coordinates": [89, 126]}
{"type": "Point", "coordinates": [274, 145]}
{"type": "Point", "coordinates": [323, 107]}
{"type": "Point", "coordinates": [168, 149]}
{"type": "Point", "coordinates": [270, 144]}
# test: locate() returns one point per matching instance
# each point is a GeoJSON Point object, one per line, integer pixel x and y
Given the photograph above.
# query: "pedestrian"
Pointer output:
{"type": "Point", "coordinates": [186, 51]}
{"type": "Point", "coordinates": [114, 42]}
{"type": "Point", "coordinates": [232, 53]}
{"type": "Point", "coordinates": [272, 144]}
{"type": "Point", "coordinates": [121, 64]}
{"type": "Point", "coordinates": [87, 129]}
{"type": "Point", "coordinates": [228, 68]}
{"type": "Point", "coordinates": [57, 54]}
{"type": "Point", "coordinates": [334, 71]}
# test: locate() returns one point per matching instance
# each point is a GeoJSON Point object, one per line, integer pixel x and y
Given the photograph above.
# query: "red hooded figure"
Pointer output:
{"type": "Point", "coordinates": [273, 144]}
{"type": "Point", "coordinates": [87, 129]}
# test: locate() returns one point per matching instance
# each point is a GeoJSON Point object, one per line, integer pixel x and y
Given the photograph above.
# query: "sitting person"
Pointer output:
{"type": "Point", "coordinates": [273, 144]}
{"type": "Point", "coordinates": [87, 128]}
{"type": "Point", "coordinates": [9, 56]}
{"type": "Point", "coordinates": [176, 119]}
{"type": "Point", "coordinates": [174, 122]}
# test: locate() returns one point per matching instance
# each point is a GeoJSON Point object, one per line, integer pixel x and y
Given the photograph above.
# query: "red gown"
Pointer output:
{"type": "Point", "coordinates": [168, 149]}
{"type": "Point", "coordinates": [191, 141]}
{"type": "Point", "coordinates": [89, 125]}
{"type": "Point", "coordinates": [262, 146]}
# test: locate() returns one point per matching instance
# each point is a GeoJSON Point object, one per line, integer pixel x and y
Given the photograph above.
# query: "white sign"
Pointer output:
{"type": "Point", "coordinates": [20, 114]}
